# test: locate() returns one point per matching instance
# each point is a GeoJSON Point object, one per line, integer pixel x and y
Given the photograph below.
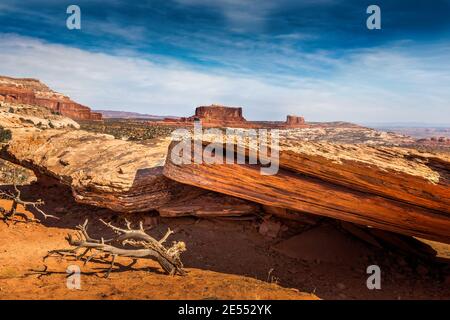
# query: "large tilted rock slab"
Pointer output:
{"type": "Point", "coordinates": [394, 189]}
{"type": "Point", "coordinates": [115, 174]}
{"type": "Point", "coordinates": [201, 203]}
{"type": "Point", "coordinates": [101, 170]}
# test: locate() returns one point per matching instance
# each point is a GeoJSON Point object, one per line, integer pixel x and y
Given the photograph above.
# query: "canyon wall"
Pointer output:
{"type": "Point", "coordinates": [33, 92]}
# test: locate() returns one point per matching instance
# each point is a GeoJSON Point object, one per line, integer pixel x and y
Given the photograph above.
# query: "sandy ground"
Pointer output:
{"type": "Point", "coordinates": [24, 245]}
{"type": "Point", "coordinates": [225, 260]}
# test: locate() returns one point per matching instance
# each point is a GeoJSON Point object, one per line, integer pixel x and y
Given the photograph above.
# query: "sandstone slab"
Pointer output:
{"type": "Point", "coordinates": [116, 174]}
{"type": "Point", "coordinates": [390, 188]}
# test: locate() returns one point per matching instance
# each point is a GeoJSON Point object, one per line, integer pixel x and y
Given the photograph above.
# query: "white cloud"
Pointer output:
{"type": "Point", "coordinates": [368, 86]}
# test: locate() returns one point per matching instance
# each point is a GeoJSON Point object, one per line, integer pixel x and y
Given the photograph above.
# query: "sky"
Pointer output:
{"type": "Point", "coordinates": [314, 58]}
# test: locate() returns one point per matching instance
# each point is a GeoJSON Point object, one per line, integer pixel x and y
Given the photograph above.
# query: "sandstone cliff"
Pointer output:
{"type": "Point", "coordinates": [33, 92]}
{"type": "Point", "coordinates": [28, 116]}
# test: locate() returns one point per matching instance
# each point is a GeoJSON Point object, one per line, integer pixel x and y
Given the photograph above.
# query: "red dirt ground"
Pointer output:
{"type": "Point", "coordinates": [225, 260]}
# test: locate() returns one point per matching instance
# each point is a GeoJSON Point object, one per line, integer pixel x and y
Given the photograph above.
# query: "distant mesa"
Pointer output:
{"type": "Point", "coordinates": [217, 115]}
{"type": "Point", "coordinates": [295, 120]}
{"type": "Point", "coordinates": [33, 92]}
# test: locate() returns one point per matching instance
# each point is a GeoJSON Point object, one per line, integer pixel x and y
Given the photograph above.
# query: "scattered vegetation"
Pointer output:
{"type": "Point", "coordinates": [133, 130]}
{"type": "Point", "coordinates": [10, 172]}
{"type": "Point", "coordinates": [5, 135]}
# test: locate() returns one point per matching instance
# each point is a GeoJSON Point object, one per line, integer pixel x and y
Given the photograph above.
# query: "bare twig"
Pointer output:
{"type": "Point", "coordinates": [16, 200]}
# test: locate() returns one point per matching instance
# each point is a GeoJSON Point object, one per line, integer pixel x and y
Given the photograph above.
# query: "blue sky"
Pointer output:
{"type": "Point", "coordinates": [312, 58]}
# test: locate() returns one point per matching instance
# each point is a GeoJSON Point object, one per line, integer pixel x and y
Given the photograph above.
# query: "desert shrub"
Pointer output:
{"type": "Point", "coordinates": [5, 134]}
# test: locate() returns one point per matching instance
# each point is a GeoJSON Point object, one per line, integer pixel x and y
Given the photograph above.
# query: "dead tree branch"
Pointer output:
{"type": "Point", "coordinates": [16, 200]}
{"type": "Point", "coordinates": [131, 243]}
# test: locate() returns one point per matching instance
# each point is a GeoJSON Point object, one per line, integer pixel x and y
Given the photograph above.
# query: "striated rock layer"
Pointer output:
{"type": "Point", "coordinates": [115, 174]}
{"type": "Point", "coordinates": [33, 92]}
{"type": "Point", "coordinates": [27, 116]}
{"type": "Point", "coordinates": [391, 188]}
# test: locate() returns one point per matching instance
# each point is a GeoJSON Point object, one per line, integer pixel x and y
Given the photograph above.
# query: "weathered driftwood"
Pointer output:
{"type": "Point", "coordinates": [135, 244]}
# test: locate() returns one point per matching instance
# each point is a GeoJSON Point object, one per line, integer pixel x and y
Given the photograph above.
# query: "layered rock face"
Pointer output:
{"type": "Point", "coordinates": [33, 92]}
{"type": "Point", "coordinates": [223, 116]}
{"type": "Point", "coordinates": [293, 121]}
{"type": "Point", "coordinates": [219, 113]}
{"type": "Point", "coordinates": [215, 115]}
{"type": "Point", "coordinates": [391, 188]}
{"type": "Point", "coordinates": [14, 115]}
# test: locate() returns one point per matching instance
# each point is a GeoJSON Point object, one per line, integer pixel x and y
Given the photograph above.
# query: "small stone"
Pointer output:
{"type": "Point", "coordinates": [270, 228]}
{"type": "Point", "coordinates": [64, 162]}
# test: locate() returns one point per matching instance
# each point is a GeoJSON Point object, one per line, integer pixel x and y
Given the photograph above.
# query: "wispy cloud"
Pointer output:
{"type": "Point", "coordinates": [383, 84]}
{"type": "Point", "coordinates": [242, 15]}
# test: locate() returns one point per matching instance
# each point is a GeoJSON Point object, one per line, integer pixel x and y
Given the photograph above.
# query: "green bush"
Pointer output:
{"type": "Point", "coordinates": [5, 134]}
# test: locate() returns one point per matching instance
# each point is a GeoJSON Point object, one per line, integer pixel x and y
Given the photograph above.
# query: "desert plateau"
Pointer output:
{"type": "Point", "coordinates": [206, 159]}
{"type": "Point", "coordinates": [345, 197]}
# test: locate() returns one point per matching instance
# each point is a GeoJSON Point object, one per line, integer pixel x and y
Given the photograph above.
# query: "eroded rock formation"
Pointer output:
{"type": "Point", "coordinates": [28, 116]}
{"type": "Point", "coordinates": [294, 121]}
{"type": "Point", "coordinates": [219, 113]}
{"type": "Point", "coordinates": [111, 173]}
{"type": "Point", "coordinates": [391, 188]}
{"type": "Point", "coordinates": [33, 92]}
{"type": "Point", "coordinates": [356, 180]}
{"type": "Point", "coordinates": [223, 116]}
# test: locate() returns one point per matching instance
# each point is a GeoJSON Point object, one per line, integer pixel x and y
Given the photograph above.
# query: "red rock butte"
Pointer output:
{"type": "Point", "coordinates": [33, 92]}
{"type": "Point", "coordinates": [223, 116]}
